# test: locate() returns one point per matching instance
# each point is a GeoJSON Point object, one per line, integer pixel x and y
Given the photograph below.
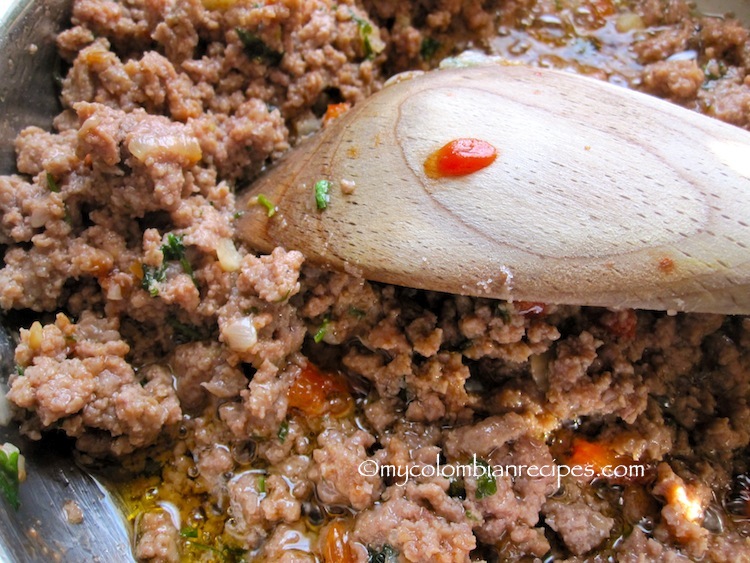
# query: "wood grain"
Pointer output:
{"type": "Point", "coordinates": [599, 195]}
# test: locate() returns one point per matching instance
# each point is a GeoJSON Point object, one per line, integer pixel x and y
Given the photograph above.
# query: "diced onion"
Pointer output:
{"type": "Point", "coordinates": [35, 335]}
{"type": "Point", "coordinates": [114, 292]}
{"type": "Point", "coordinates": [155, 146]}
{"type": "Point", "coordinates": [629, 21]}
{"type": "Point", "coordinates": [240, 335]}
{"type": "Point", "coordinates": [229, 257]}
{"type": "Point", "coordinates": [38, 217]}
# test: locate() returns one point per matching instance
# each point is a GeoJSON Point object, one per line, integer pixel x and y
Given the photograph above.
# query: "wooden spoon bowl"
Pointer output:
{"type": "Point", "coordinates": [598, 196]}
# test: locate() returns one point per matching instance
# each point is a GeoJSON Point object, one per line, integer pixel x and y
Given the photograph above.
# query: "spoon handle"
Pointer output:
{"type": "Point", "coordinates": [598, 195]}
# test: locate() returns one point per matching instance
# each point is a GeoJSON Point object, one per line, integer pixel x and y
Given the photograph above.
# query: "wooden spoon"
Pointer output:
{"type": "Point", "coordinates": [598, 196]}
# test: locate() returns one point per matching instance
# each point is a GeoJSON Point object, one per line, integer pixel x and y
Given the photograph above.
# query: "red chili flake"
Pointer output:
{"type": "Point", "coordinates": [460, 157]}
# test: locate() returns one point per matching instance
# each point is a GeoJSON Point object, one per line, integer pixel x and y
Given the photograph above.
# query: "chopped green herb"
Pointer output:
{"type": "Point", "coordinates": [322, 196]}
{"type": "Point", "coordinates": [284, 297]}
{"type": "Point", "coordinates": [67, 218]}
{"type": "Point", "coordinates": [428, 48]}
{"type": "Point", "coordinates": [185, 332]}
{"type": "Point", "coordinates": [174, 249]}
{"type": "Point", "coordinates": [486, 483]}
{"type": "Point", "coordinates": [20, 370]}
{"type": "Point", "coordinates": [387, 554]}
{"type": "Point", "coordinates": [262, 484]}
{"type": "Point", "coordinates": [237, 215]}
{"type": "Point", "coordinates": [503, 313]}
{"type": "Point", "coordinates": [257, 50]}
{"type": "Point", "coordinates": [714, 70]}
{"type": "Point", "coordinates": [265, 202]}
{"type": "Point", "coordinates": [9, 479]}
{"type": "Point", "coordinates": [152, 276]}
{"type": "Point", "coordinates": [356, 312]}
{"type": "Point", "coordinates": [232, 554]}
{"type": "Point", "coordinates": [189, 533]}
{"type": "Point", "coordinates": [283, 431]}
{"type": "Point", "coordinates": [320, 334]}
{"type": "Point", "coordinates": [365, 32]}
{"type": "Point", "coordinates": [471, 516]}
{"type": "Point", "coordinates": [456, 489]}
{"type": "Point", "coordinates": [51, 184]}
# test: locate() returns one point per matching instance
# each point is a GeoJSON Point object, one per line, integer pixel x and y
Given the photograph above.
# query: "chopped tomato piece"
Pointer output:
{"type": "Point", "coordinates": [337, 548]}
{"type": "Point", "coordinates": [316, 393]}
{"type": "Point", "coordinates": [335, 110]}
{"type": "Point", "coordinates": [605, 462]}
{"type": "Point", "coordinates": [459, 158]}
{"type": "Point", "coordinates": [621, 324]}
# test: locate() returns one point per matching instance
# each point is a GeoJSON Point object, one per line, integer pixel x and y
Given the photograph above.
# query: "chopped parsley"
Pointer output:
{"type": "Point", "coordinates": [486, 483]}
{"type": "Point", "coordinates": [20, 370]}
{"type": "Point", "coordinates": [283, 431]}
{"type": "Point", "coordinates": [189, 533]}
{"type": "Point", "coordinates": [67, 218]}
{"type": "Point", "coordinates": [174, 249]}
{"type": "Point", "coordinates": [225, 553]}
{"type": "Point", "coordinates": [503, 313]}
{"type": "Point", "coordinates": [262, 484]}
{"type": "Point", "coordinates": [365, 33]}
{"type": "Point", "coordinates": [320, 334]}
{"type": "Point", "coordinates": [152, 277]}
{"type": "Point", "coordinates": [257, 50]}
{"type": "Point", "coordinates": [52, 184]}
{"type": "Point", "coordinates": [9, 478]}
{"type": "Point", "coordinates": [356, 312]}
{"type": "Point", "coordinates": [428, 48]}
{"type": "Point", "coordinates": [268, 204]}
{"type": "Point", "coordinates": [387, 554]}
{"type": "Point", "coordinates": [185, 332]}
{"type": "Point", "coordinates": [322, 195]}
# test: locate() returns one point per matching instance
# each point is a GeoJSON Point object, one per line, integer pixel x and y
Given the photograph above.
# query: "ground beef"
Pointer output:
{"type": "Point", "coordinates": [249, 391]}
{"type": "Point", "coordinates": [158, 538]}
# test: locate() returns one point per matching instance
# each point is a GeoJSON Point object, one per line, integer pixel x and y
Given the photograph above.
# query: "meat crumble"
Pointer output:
{"type": "Point", "coordinates": [250, 390]}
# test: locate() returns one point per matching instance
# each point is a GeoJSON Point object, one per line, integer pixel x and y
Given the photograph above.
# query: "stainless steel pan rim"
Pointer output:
{"type": "Point", "coordinates": [39, 530]}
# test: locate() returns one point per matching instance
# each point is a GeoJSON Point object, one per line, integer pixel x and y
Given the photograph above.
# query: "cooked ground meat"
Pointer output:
{"type": "Point", "coordinates": [251, 390]}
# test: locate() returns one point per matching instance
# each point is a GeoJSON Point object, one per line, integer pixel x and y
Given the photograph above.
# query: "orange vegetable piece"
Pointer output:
{"type": "Point", "coordinates": [459, 158]}
{"type": "Point", "coordinates": [602, 458]}
{"type": "Point", "coordinates": [316, 393]}
{"type": "Point", "coordinates": [592, 453]}
{"type": "Point", "coordinates": [622, 324]}
{"type": "Point", "coordinates": [337, 548]}
{"type": "Point", "coordinates": [335, 110]}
